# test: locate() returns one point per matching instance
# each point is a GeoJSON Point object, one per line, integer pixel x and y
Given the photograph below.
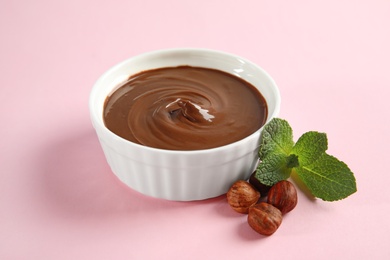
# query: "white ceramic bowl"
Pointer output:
{"type": "Point", "coordinates": [181, 175]}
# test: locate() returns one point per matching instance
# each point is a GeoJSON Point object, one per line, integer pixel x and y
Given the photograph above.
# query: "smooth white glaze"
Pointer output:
{"type": "Point", "coordinates": [181, 175]}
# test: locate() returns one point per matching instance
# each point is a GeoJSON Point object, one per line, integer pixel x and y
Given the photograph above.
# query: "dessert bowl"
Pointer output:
{"type": "Point", "coordinates": [181, 175]}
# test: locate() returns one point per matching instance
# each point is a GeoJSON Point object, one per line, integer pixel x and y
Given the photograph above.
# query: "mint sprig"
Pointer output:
{"type": "Point", "coordinates": [324, 175]}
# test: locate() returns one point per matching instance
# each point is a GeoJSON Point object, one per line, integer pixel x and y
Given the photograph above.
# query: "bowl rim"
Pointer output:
{"type": "Point", "coordinates": [98, 121]}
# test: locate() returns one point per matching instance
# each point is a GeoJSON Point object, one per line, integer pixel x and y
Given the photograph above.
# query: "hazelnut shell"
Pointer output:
{"type": "Point", "coordinates": [241, 196]}
{"type": "Point", "coordinates": [283, 195]}
{"type": "Point", "coordinates": [264, 218]}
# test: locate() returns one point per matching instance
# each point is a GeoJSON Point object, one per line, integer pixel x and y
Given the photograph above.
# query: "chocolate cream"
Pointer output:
{"type": "Point", "coordinates": [185, 108]}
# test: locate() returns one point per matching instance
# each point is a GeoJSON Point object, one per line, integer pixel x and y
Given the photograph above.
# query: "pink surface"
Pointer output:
{"type": "Point", "coordinates": [59, 200]}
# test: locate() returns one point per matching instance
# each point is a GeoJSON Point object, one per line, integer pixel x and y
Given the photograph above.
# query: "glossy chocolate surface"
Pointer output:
{"type": "Point", "coordinates": [185, 108]}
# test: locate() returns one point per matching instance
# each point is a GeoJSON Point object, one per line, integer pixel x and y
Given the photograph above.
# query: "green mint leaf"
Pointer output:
{"type": "Point", "coordinates": [324, 175]}
{"type": "Point", "coordinates": [309, 147]}
{"type": "Point", "coordinates": [276, 138]}
{"type": "Point", "coordinates": [292, 161]}
{"type": "Point", "coordinates": [273, 169]}
{"type": "Point", "coordinates": [328, 178]}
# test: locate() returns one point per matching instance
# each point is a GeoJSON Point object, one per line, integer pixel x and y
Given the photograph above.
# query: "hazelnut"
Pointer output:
{"type": "Point", "coordinates": [283, 195]}
{"type": "Point", "coordinates": [264, 218]}
{"type": "Point", "coordinates": [262, 188]}
{"type": "Point", "coordinates": [241, 196]}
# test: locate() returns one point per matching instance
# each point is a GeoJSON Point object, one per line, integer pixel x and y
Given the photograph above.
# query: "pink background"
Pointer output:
{"type": "Point", "coordinates": [59, 200]}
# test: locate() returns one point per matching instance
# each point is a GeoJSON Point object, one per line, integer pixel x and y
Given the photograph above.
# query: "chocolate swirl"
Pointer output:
{"type": "Point", "coordinates": [185, 108]}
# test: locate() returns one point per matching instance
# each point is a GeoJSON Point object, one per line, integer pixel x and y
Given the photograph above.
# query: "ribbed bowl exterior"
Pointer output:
{"type": "Point", "coordinates": [180, 175]}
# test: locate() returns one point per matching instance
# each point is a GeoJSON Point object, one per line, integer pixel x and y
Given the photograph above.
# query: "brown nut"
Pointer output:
{"type": "Point", "coordinates": [264, 218]}
{"type": "Point", "coordinates": [283, 195]}
{"type": "Point", "coordinates": [241, 196]}
{"type": "Point", "coordinates": [262, 188]}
